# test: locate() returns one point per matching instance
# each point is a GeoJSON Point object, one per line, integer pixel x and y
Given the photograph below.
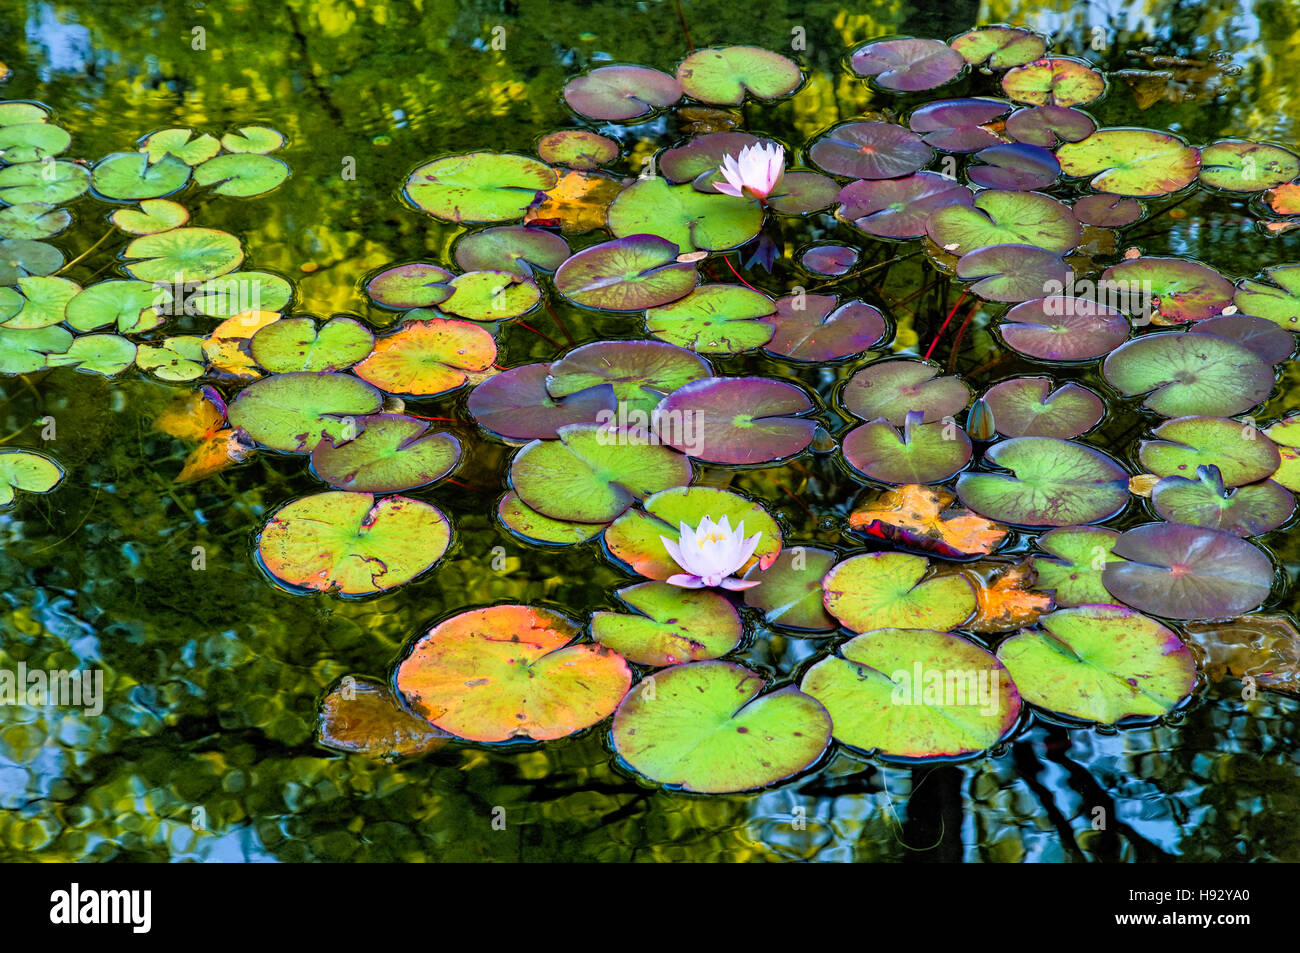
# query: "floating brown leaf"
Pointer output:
{"type": "Point", "coordinates": [919, 516]}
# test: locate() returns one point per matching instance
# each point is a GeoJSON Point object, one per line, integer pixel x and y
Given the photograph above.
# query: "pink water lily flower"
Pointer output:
{"type": "Point", "coordinates": [710, 553]}
{"type": "Point", "coordinates": [756, 172]}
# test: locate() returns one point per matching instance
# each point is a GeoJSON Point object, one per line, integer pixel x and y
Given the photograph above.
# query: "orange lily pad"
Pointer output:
{"type": "Point", "coordinates": [921, 517]}
{"type": "Point", "coordinates": [201, 416]}
{"type": "Point", "coordinates": [228, 347]}
{"type": "Point", "coordinates": [424, 358]}
{"type": "Point", "coordinates": [362, 716]}
{"type": "Point", "coordinates": [577, 203]}
{"type": "Point", "coordinates": [1003, 600]}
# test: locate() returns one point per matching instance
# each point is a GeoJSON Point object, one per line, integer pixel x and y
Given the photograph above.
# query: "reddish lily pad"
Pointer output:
{"type": "Point", "coordinates": [890, 590]}
{"type": "Point", "coordinates": [1000, 47]}
{"type": "Point", "coordinates": [1106, 210]}
{"type": "Point", "coordinates": [1054, 81]}
{"type": "Point", "coordinates": [708, 727]}
{"type": "Point", "coordinates": [1072, 570]}
{"type": "Point", "coordinates": [479, 186]}
{"type": "Point", "coordinates": [909, 64]}
{"type": "Point", "coordinates": [1028, 407]}
{"type": "Point", "coordinates": [629, 274]}
{"type": "Point", "coordinates": [736, 420]}
{"type": "Point", "coordinates": [1015, 165]}
{"type": "Point", "coordinates": [920, 453]}
{"type": "Point", "coordinates": [1205, 501]}
{"type": "Point", "coordinates": [415, 285]}
{"type": "Point", "coordinates": [617, 93]}
{"type": "Point", "coordinates": [900, 208]}
{"type": "Point", "coordinates": [714, 319]}
{"type": "Point", "coordinates": [516, 405]}
{"type": "Point", "coordinates": [294, 412]}
{"type": "Point", "coordinates": [922, 518]}
{"type": "Point", "coordinates": [431, 357]}
{"type": "Point", "coordinates": [724, 76]}
{"type": "Point", "coordinates": [817, 329]}
{"type": "Point", "coordinates": [576, 148]}
{"type": "Point", "coordinates": [1186, 572]}
{"type": "Point", "coordinates": [915, 693]}
{"type": "Point", "coordinates": [1237, 450]}
{"type": "Point", "coordinates": [1005, 218]}
{"type": "Point", "coordinates": [513, 248]}
{"type": "Point", "coordinates": [1183, 374]}
{"type": "Point", "coordinates": [1138, 162]}
{"type": "Point", "coordinates": [669, 625]}
{"type": "Point", "coordinates": [592, 473]}
{"type": "Point", "coordinates": [790, 591]}
{"type": "Point", "coordinates": [1179, 288]}
{"type": "Point", "coordinates": [1049, 126]}
{"type": "Point", "coordinates": [1051, 483]}
{"type": "Point", "coordinates": [870, 150]}
{"type": "Point", "coordinates": [1100, 663]}
{"type": "Point", "coordinates": [641, 373]}
{"type": "Point", "coordinates": [351, 542]}
{"type": "Point", "coordinates": [1012, 272]}
{"type": "Point", "coordinates": [1262, 337]}
{"type": "Point", "coordinates": [891, 389]}
{"type": "Point", "coordinates": [1063, 328]}
{"type": "Point", "coordinates": [832, 260]}
{"type": "Point", "coordinates": [508, 672]}
{"type": "Point", "coordinates": [959, 125]}
{"type": "Point", "coordinates": [391, 452]}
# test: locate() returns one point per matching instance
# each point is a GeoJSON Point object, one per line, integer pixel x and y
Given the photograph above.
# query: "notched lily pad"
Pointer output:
{"type": "Point", "coordinates": [891, 590]}
{"type": "Point", "coordinates": [668, 625]}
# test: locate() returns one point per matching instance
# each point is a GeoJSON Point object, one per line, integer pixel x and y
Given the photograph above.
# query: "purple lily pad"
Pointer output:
{"type": "Point", "coordinates": [1182, 374]}
{"type": "Point", "coordinates": [513, 248]}
{"type": "Point", "coordinates": [1178, 288]}
{"type": "Point", "coordinates": [870, 150]}
{"type": "Point", "coordinates": [1205, 501]}
{"type": "Point", "coordinates": [891, 389]}
{"type": "Point", "coordinates": [1186, 572]}
{"type": "Point", "coordinates": [1049, 126]}
{"type": "Point", "coordinates": [614, 93]}
{"type": "Point", "coordinates": [1015, 166]}
{"type": "Point", "coordinates": [909, 64]}
{"type": "Point", "coordinates": [812, 328]}
{"type": "Point", "coordinates": [919, 453]}
{"type": "Point", "coordinates": [415, 285]}
{"type": "Point", "coordinates": [1062, 328]}
{"type": "Point", "coordinates": [1270, 343]}
{"type": "Point", "coordinates": [900, 208]}
{"type": "Point", "coordinates": [641, 372]}
{"type": "Point", "coordinates": [791, 592]}
{"type": "Point", "coordinates": [1107, 211]}
{"type": "Point", "coordinates": [391, 452]}
{"type": "Point", "coordinates": [1028, 407]}
{"type": "Point", "coordinates": [833, 260]}
{"type": "Point", "coordinates": [516, 405]}
{"type": "Point", "coordinates": [577, 148]}
{"type": "Point", "coordinates": [736, 420]}
{"type": "Point", "coordinates": [704, 154]}
{"type": "Point", "coordinates": [802, 192]}
{"type": "Point", "coordinates": [1013, 272]}
{"type": "Point", "coordinates": [627, 274]}
{"type": "Point", "coordinates": [958, 125]}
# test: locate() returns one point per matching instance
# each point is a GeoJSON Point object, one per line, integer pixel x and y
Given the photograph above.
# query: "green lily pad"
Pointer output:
{"type": "Point", "coordinates": [181, 144]}
{"type": "Point", "coordinates": [708, 727]}
{"type": "Point", "coordinates": [491, 296]}
{"type": "Point", "coordinates": [20, 258]}
{"type": "Point", "coordinates": [1136, 162]}
{"type": "Point", "coordinates": [1179, 288]}
{"type": "Point", "coordinates": [24, 351]}
{"type": "Point", "coordinates": [1054, 81]}
{"type": "Point", "coordinates": [525, 522]}
{"type": "Point", "coordinates": [1028, 407]}
{"type": "Point", "coordinates": [1275, 299]}
{"type": "Point", "coordinates": [260, 139]}
{"type": "Point", "coordinates": [1183, 374]}
{"type": "Point", "coordinates": [479, 186]}
{"type": "Point", "coordinates": [891, 389]}
{"type": "Point", "coordinates": [414, 285]}
{"type": "Point", "coordinates": [641, 373]}
{"type": "Point", "coordinates": [714, 319]}
{"type": "Point", "coordinates": [297, 344]}
{"type": "Point", "coordinates": [351, 543]}
{"type": "Point", "coordinates": [391, 452]}
{"type": "Point", "coordinates": [153, 216]}
{"type": "Point", "coordinates": [669, 625]}
{"type": "Point", "coordinates": [1236, 166]}
{"type": "Point", "coordinates": [294, 412]}
{"type": "Point", "coordinates": [723, 77]}
{"type": "Point", "coordinates": [999, 46]}
{"type": "Point", "coordinates": [424, 358]}
{"type": "Point", "coordinates": [12, 113]}
{"type": "Point", "coordinates": [239, 292]}
{"type": "Point", "coordinates": [577, 148]}
{"type": "Point", "coordinates": [789, 593]}
{"type": "Point", "coordinates": [50, 182]}
{"type": "Point", "coordinates": [920, 453]}
{"type": "Point", "coordinates": [511, 671]}
{"type": "Point", "coordinates": [129, 306]}
{"type": "Point", "coordinates": [1205, 501]}
{"type": "Point", "coordinates": [1241, 453]}
{"type": "Point", "coordinates": [915, 693]}
{"type": "Point", "coordinates": [511, 248]}
{"type": "Point", "coordinates": [1051, 483]}
{"type": "Point", "coordinates": [1100, 663]}
{"type": "Point", "coordinates": [33, 220]}
{"type": "Point", "coordinates": [1005, 218]}
{"type": "Point", "coordinates": [591, 475]}
{"type": "Point", "coordinates": [129, 176]}
{"type": "Point", "coordinates": [28, 471]}
{"type": "Point", "coordinates": [1080, 554]}
{"type": "Point", "coordinates": [629, 274]}
{"type": "Point", "coordinates": [241, 174]}
{"type": "Point", "coordinates": [889, 590]}
{"type": "Point", "coordinates": [183, 254]}
{"type": "Point", "coordinates": [106, 354]}
{"type": "Point", "coordinates": [634, 538]}
{"type": "Point", "coordinates": [174, 359]}
{"type": "Point", "coordinates": [45, 301]}
{"type": "Point", "coordinates": [689, 219]}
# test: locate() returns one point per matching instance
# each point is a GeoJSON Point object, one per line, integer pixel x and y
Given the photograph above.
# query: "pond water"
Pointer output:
{"type": "Point", "coordinates": [212, 677]}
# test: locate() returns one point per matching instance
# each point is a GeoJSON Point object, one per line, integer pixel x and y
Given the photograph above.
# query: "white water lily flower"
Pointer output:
{"type": "Point", "coordinates": [710, 554]}
{"type": "Point", "coordinates": [754, 174]}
